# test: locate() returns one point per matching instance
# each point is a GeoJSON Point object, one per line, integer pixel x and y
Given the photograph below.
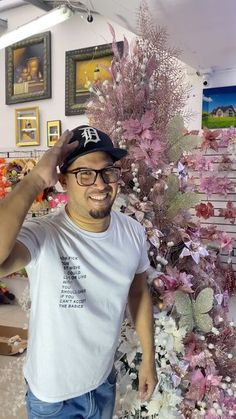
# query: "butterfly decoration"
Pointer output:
{"type": "Point", "coordinates": [194, 313]}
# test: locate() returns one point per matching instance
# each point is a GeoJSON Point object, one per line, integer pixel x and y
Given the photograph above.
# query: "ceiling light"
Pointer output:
{"type": "Point", "coordinates": [39, 24]}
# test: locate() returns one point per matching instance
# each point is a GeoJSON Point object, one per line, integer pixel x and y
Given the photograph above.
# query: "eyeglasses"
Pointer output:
{"type": "Point", "coordinates": [87, 177]}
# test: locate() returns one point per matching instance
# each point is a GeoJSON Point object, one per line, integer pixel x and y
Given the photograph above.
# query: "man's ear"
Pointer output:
{"type": "Point", "coordinates": [63, 181]}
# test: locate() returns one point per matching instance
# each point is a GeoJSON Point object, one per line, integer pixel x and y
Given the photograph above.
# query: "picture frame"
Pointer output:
{"type": "Point", "coordinates": [53, 132]}
{"type": "Point", "coordinates": [83, 70]}
{"type": "Point", "coordinates": [219, 107]}
{"type": "Point", "coordinates": [27, 126]}
{"type": "Point", "coordinates": [28, 69]}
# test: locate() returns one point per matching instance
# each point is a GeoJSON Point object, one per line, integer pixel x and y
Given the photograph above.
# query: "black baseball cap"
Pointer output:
{"type": "Point", "coordinates": [90, 140]}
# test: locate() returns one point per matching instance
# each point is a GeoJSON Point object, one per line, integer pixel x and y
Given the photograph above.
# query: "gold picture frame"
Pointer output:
{"type": "Point", "coordinates": [27, 126]}
{"type": "Point", "coordinates": [53, 132]}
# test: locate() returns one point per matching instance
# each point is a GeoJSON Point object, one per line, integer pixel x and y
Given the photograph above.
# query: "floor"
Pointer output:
{"type": "Point", "coordinates": [10, 368]}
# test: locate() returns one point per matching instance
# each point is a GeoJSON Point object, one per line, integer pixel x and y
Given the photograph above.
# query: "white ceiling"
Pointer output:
{"type": "Point", "coordinates": [205, 30]}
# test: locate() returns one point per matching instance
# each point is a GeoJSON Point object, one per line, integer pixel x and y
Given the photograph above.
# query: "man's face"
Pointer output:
{"type": "Point", "coordinates": [93, 201]}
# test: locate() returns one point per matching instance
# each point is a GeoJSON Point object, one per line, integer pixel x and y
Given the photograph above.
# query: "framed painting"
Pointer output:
{"type": "Point", "coordinates": [84, 68]}
{"type": "Point", "coordinates": [27, 126]}
{"type": "Point", "coordinates": [53, 132]}
{"type": "Point", "coordinates": [219, 107]}
{"type": "Point", "coordinates": [28, 69]}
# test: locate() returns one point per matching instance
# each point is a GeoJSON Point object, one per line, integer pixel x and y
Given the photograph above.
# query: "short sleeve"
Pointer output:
{"type": "Point", "coordinates": [32, 235]}
{"type": "Point", "coordinates": [144, 262]}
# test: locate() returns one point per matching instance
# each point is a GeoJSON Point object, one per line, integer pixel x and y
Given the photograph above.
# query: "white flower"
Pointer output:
{"type": "Point", "coordinates": [170, 336]}
{"type": "Point", "coordinates": [131, 403]}
{"type": "Point", "coordinates": [124, 383]}
{"type": "Point", "coordinates": [120, 201]}
{"type": "Point", "coordinates": [130, 345]}
{"type": "Point", "coordinates": [165, 404]}
{"type": "Point", "coordinates": [196, 250]}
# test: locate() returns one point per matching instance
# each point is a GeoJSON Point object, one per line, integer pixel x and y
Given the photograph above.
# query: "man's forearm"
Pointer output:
{"type": "Point", "coordinates": [13, 210]}
{"type": "Point", "coordinates": [140, 306]}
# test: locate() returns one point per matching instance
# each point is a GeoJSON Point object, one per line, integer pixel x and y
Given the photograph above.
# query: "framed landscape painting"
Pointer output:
{"type": "Point", "coordinates": [219, 107]}
{"type": "Point", "coordinates": [28, 69]}
{"type": "Point", "coordinates": [84, 69]}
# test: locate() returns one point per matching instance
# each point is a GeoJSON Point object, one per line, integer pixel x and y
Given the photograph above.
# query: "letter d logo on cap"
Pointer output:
{"type": "Point", "coordinates": [90, 135]}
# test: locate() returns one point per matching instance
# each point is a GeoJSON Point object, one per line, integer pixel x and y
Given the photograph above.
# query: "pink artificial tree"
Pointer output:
{"type": "Point", "coordinates": [140, 108]}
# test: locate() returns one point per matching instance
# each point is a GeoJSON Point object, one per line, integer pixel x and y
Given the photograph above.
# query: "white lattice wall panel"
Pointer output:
{"type": "Point", "coordinates": [219, 201]}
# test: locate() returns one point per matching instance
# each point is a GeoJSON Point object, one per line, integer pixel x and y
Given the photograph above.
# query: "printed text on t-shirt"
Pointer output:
{"type": "Point", "coordinates": [73, 295]}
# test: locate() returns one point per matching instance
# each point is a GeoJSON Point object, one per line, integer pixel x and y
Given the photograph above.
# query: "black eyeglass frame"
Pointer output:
{"type": "Point", "coordinates": [97, 171]}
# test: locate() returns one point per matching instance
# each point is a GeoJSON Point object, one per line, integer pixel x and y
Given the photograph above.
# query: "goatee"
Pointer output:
{"type": "Point", "coordinates": [99, 214]}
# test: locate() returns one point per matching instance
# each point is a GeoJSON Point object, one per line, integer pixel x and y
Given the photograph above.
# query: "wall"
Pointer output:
{"type": "Point", "coordinates": [194, 103]}
{"type": "Point", "coordinates": [72, 34]}
{"type": "Point", "coordinates": [220, 79]}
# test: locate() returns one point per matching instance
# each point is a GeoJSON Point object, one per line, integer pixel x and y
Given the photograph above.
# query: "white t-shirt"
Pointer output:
{"type": "Point", "coordinates": [79, 283]}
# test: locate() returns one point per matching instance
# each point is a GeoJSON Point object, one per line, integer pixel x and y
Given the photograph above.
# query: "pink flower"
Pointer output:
{"type": "Point", "coordinates": [167, 284]}
{"type": "Point", "coordinates": [227, 136]}
{"type": "Point", "coordinates": [229, 212]}
{"type": "Point", "coordinates": [226, 242]}
{"type": "Point", "coordinates": [220, 185]}
{"type": "Point", "coordinates": [223, 185]}
{"type": "Point", "coordinates": [58, 199]}
{"type": "Point", "coordinates": [139, 129]}
{"type": "Point", "coordinates": [213, 380]}
{"type": "Point", "coordinates": [209, 233]}
{"type": "Point", "coordinates": [225, 163]}
{"type": "Point", "coordinates": [148, 151]}
{"type": "Point", "coordinates": [185, 282]}
{"type": "Point", "coordinates": [200, 385]}
{"type": "Point", "coordinates": [199, 162]}
{"type": "Point", "coordinates": [208, 185]}
{"type": "Point", "coordinates": [209, 139]}
{"type": "Point", "coordinates": [197, 387]}
{"type": "Point", "coordinates": [173, 280]}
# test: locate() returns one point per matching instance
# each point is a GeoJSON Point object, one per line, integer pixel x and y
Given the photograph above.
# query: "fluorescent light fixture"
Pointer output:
{"type": "Point", "coordinates": [39, 24]}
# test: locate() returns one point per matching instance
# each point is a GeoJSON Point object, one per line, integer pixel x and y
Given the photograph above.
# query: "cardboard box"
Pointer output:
{"type": "Point", "coordinates": [13, 340]}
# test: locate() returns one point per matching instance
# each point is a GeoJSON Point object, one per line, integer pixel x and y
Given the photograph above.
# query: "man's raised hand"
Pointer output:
{"type": "Point", "coordinates": [46, 169]}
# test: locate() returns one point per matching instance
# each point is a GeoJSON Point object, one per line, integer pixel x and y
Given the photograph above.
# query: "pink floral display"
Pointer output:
{"type": "Point", "coordinates": [140, 109]}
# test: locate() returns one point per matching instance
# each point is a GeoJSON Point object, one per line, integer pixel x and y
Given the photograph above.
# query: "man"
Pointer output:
{"type": "Point", "coordinates": [84, 262]}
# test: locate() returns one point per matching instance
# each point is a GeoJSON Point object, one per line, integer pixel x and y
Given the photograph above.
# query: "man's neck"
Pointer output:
{"type": "Point", "coordinates": [89, 224]}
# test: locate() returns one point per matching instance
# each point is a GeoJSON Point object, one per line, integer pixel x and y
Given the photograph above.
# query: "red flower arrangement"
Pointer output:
{"type": "Point", "coordinates": [204, 210]}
